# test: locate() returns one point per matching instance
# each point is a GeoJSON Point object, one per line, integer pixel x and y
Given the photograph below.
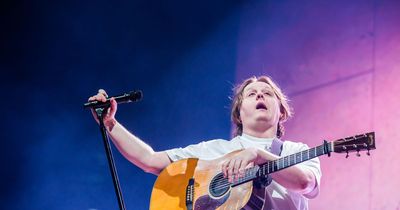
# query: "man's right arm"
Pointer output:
{"type": "Point", "coordinates": [138, 152]}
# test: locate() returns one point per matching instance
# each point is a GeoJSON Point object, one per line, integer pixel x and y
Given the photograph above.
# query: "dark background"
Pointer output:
{"type": "Point", "coordinates": [55, 54]}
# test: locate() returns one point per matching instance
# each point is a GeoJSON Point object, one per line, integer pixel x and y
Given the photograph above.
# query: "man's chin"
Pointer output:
{"type": "Point", "coordinates": [263, 119]}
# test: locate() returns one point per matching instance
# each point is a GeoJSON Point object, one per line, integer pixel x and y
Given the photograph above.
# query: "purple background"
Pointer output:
{"type": "Point", "coordinates": [339, 62]}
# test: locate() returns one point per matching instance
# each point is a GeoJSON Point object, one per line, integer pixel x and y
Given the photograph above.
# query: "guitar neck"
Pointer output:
{"type": "Point", "coordinates": [293, 159]}
{"type": "Point", "coordinates": [284, 162]}
{"type": "Point", "coordinates": [356, 143]}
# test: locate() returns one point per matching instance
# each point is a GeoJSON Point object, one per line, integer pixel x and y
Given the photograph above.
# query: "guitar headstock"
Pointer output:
{"type": "Point", "coordinates": [355, 143]}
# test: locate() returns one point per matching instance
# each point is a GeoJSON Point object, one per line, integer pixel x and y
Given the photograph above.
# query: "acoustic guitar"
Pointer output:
{"type": "Point", "coordinates": [197, 184]}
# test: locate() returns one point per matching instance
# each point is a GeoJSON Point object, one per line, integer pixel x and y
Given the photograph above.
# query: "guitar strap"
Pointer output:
{"type": "Point", "coordinates": [276, 147]}
{"type": "Point", "coordinates": [257, 200]}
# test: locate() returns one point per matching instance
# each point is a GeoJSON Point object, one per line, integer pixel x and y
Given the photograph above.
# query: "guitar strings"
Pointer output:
{"type": "Point", "coordinates": [250, 173]}
{"type": "Point", "coordinates": [247, 176]}
{"type": "Point", "coordinates": [319, 150]}
{"type": "Point", "coordinates": [218, 185]}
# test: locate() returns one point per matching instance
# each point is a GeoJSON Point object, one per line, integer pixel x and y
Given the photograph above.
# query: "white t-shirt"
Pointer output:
{"type": "Point", "coordinates": [276, 197]}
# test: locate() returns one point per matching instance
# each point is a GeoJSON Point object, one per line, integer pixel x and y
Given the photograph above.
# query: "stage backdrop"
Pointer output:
{"type": "Point", "coordinates": [337, 60]}
{"type": "Point", "coordinates": [339, 63]}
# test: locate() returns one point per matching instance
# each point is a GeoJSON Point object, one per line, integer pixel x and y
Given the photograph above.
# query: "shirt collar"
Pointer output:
{"type": "Point", "coordinates": [257, 139]}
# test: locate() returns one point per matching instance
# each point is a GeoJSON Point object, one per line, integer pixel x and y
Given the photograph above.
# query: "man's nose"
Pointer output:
{"type": "Point", "coordinates": [260, 95]}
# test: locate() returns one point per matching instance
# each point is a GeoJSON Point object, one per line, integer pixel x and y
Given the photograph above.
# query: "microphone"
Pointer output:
{"type": "Point", "coordinates": [132, 96]}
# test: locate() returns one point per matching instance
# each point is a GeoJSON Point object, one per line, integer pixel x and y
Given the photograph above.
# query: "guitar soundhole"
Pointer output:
{"type": "Point", "coordinates": [219, 186]}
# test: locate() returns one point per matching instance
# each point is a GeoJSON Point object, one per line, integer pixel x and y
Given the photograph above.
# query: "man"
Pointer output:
{"type": "Point", "coordinates": [258, 111]}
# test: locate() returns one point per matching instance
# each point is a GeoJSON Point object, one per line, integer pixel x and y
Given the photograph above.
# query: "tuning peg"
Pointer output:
{"type": "Point", "coordinates": [368, 153]}
{"type": "Point", "coordinates": [358, 153]}
{"type": "Point", "coordinates": [347, 154]}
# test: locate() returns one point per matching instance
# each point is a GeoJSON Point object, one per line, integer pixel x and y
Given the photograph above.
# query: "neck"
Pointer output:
{"type": "Point", "coordinates": [261, 132]}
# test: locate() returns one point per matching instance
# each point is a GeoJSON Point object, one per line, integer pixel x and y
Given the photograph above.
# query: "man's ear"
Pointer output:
{"type": "Point", "coordinates": [281, 117]}
{"type": "Point", "coordinates": [239, 119]}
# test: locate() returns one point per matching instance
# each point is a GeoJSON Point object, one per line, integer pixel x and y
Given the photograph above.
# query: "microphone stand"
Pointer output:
{"type": "Point", "coordinates": [107, 147]}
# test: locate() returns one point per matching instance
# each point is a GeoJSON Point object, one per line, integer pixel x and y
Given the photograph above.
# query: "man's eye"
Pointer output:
{"type": "Point", "coordinates": [251, 94]}
{"type": "Point", "coordinates": [268, 93]}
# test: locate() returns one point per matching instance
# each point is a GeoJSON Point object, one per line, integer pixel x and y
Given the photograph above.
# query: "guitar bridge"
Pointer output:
{"type": "Point", "coordinates": [190, 194]}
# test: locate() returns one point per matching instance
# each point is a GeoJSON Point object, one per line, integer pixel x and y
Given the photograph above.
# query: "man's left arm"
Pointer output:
{"type": "Point", "coordinates": [302, 178]}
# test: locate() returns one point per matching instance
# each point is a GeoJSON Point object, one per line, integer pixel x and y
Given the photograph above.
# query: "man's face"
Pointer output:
{"type": "Point", "coordinates": [260, 106]}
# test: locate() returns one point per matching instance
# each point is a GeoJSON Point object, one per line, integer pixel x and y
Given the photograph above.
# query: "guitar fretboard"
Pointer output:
{"type": "Point", "coordinates": [284, 162]}
{"type": "Point", "coordinates": [290, 160]}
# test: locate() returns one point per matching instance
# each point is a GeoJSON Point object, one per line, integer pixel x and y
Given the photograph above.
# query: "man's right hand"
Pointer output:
{"type": "Point", "coordinates": [109, 117]}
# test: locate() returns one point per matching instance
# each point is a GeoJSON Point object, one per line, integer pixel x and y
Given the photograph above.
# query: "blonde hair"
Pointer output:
{"type": "Point", "coordinates": [285, 109]}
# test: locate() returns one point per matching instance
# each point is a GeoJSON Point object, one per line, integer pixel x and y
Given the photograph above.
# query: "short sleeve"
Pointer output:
{"type": "Point", "coordinates": [206, 150]}
{"type": "Point", "coordinates": [191, 151]}
{"type": "Point", "coordinates": [312, 165]}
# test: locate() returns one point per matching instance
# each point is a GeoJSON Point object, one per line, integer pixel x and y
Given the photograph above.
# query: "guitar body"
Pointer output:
{"type": "Point", "coordinates": [170, 190]}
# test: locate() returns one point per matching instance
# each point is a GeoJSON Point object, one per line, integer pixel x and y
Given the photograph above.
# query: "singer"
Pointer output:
{"type": "Point", "coordinates": [259, 109]}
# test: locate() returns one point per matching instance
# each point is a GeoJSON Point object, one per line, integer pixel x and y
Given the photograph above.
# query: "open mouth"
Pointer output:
{"type": "Point", "coordinates": [261, 106]}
